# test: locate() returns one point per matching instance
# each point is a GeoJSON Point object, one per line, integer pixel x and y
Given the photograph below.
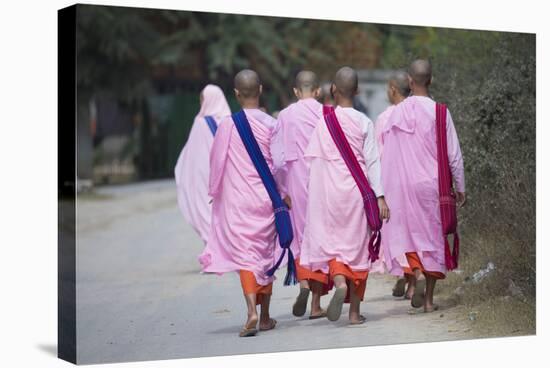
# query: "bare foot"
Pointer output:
{"type": "Point", "coordinates": [268, 324]}
{"type": "Point", "coordinates": [417, 299]}
{"type": "Point", "coordinates": [334, 309]}
{"type": "Point", "coordinates": [431, 308]}
{"type": "Point", "coordinates": [249, 328]}
{"type": "Point", "coordinates": [320, 313]}
{"type": "Point", "coordinates": [251, 322]}
{"type": "Point", "coordinates": [357, 319]}
{"type": "Point", "coordinates": [300, 305]}
{"type": "Point", "coordinates": [410, 291]}
{"type": "Point", "coordinates": [399, 287]}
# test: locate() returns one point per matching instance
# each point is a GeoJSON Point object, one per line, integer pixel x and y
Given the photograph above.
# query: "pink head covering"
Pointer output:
{"type": "Point", "coordinates": [192, 168]}
{"type": "Point", "coordinates": [213, 103]}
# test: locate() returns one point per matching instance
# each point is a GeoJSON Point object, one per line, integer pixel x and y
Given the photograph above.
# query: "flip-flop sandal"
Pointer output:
{"type": "Point", "coordinates": [399, 288]}
{"type": "Point", "coordinates": [300, 306]}
{"type": "Point", "coordinates": [417, 300]}
{"type": "Point", "coordinates": [434, 308]}
{"type": "Point", "coordinates": [323, 314]}
{"type": "Point", "coordinates": [362, 319]}
{"type": "Point", "coordinates": [273, 323]}
{"type": "Point", "coordinates": [334, 309]}
{"type": "Point", "coordinates": [413, 311]}
{"type": "Point", "coordinates": [248, 332]}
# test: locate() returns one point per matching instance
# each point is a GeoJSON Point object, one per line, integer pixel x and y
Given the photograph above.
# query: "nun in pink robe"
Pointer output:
{"type": "Point", "coordinates": [192, 168]}
{"type": "Point", "coordinates": [410, 179]}
{"type": "Point", "coordinates": [242, 233]}
{"type": "Point", "coordinates": [379, 266]}
{"type": "Point", "coordinates": [336, 227]}
{"type": "Point", "coordinates": [379, 127]}
{"type": "Point", "coordinates": [295, 125]}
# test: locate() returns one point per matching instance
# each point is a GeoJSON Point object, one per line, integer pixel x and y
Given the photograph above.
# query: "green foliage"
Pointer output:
{"type": "Point", "coordinates": [262, 43]}
{"type": "Point", "coordinates": [119, 49]}
{"type": "Point", "coordinates": [498, 125]}
{"type": "Point", "coordinates": [113, 46]}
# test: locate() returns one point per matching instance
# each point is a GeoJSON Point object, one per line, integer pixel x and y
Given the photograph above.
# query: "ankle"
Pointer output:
{"type": "Point", "coordinates": [354, 314]}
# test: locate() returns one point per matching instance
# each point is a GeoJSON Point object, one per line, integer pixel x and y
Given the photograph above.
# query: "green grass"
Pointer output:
{"type": "Point", "coordinates": [489, 307]}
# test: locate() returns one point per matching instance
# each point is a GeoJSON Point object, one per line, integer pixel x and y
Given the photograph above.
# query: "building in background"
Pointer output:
{"type": "Point", "coordinates": [126, 146]}
{"type": "Point", "coordinates": [373, 91]}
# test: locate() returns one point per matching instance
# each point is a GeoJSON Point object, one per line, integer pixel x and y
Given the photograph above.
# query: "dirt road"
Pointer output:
{"type": "Point", "coordinates": [140, 295]}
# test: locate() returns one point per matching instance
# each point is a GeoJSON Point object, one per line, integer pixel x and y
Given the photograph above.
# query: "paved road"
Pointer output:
{"type": "Point", "coordinates": [140, 295]}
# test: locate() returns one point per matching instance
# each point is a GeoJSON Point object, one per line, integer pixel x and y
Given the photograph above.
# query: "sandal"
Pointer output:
{"type": "Point", "coordinates": [362, 319]}
{"type": "Point", "coordinates": [323, 314]}
{"type": "Point", "coordinates": [334, 309]}
{"type": "Point", "coordinates": [399, 288]}
{"type": "Point", "coordinates": [417, 300]}
{"type": "Point", "coordinates": [300, 305]}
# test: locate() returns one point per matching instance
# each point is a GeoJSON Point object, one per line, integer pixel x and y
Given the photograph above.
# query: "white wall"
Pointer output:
{"type": "Point", "coordinates": [372, 90]}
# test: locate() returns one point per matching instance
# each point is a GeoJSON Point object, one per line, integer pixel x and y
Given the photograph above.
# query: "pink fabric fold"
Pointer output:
{"type": "Point", "coordinates": [295, 125]}
{"type": "Point", "coordinates": [379, 127]}
{"type": "Point", "coordinates": [242, 233]}
{"type": "Point", "coordinates": [192, 168]}
{"type": "Point", "coordinates": [409, 177]}
{"type": "Point", "coordinates": [379, 266]}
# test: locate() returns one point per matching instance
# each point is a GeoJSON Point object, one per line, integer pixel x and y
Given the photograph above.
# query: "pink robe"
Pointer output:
{"type": "Point", "coordinates": [336, 225]}
{"type": "Point", "coordinates": [379, 127]}
{"type": "Point", "coordinates": [409, 176]}
{"type": "Point", "coordinates": [192, 168]}
{"type": "Point", "coordinates": [295, 124]}
{"type": "Point", "coordinates": [242, 232]}
{"type": "Point", "coordinates": [379, 266]}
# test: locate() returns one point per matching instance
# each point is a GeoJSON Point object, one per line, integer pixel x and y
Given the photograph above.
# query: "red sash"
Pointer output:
{"type": "Point", "coordinates": [447, 197]}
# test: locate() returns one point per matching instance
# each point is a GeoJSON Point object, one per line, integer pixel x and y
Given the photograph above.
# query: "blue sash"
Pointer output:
{"type": "Point", "coordinates": [282, 217]}
{"type": "Point", "coordinates": [211, 124]}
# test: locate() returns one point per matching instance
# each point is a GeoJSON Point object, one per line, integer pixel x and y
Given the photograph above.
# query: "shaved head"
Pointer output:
{"type": "Point", "coordinates": [421, 72]}
{"type": "Point", "coordinates": [346, 82]}
{"type": "Point", "coordinates": [306, 81]}
{"type": "Point", "coordinates": [247, 82]}
{"type": "Point", "coordinates": [326, 96]}
{"type": "Point", "coordinates": [400, 81]}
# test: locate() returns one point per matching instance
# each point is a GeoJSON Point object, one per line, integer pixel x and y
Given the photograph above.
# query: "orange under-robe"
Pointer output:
{"type": "Point", "coordinates": [359, 278]}
{"type": "Point", "coordinates": [303, 273]}
{"type": "Point", "coordinates": [251, 286]}
{"type": "Point", "coordinates": [414, 263]}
